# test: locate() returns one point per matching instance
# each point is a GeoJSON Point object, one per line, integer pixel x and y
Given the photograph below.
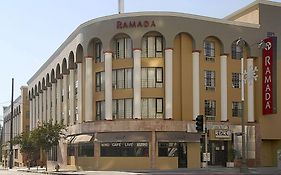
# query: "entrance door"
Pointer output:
{"type": "Point", "coordinates": [218, 153]}
{"type": "Point", "coordinates": [182, 155]}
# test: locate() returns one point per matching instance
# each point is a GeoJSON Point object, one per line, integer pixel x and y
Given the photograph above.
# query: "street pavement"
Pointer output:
{"type": "Point", "coordinates": [181, 171]}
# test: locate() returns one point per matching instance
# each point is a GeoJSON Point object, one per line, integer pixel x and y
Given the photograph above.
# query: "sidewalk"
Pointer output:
{"type": "Point", "coordinates": [181, 171]}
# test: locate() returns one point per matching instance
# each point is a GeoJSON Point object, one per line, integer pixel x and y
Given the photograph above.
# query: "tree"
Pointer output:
{"type": "Point", "coordinates": [43, 137]}
{"type": "Point", "coordinates": [27, 146]}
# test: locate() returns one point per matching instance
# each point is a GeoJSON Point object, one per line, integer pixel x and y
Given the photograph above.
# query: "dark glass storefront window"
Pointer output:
{"type": "Point", "coordinates": [167, 149]}
{"type": "Point", "coordinates": [86, 150]}
{"type": "Point", "coordinates": [71, 150]}
{"type": "Point", "coordinates": [124, 149]}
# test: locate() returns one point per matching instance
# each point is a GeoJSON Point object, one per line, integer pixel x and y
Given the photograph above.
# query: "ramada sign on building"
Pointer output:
{"type": "Point", "coordinates": [269, 76]}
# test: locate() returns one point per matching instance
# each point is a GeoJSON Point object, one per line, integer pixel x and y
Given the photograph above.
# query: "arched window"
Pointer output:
{"type": "Point", "coordinates": [237, 51]}
{"type": "Point", "coordinates": [122, 46]}
{"type": "Point", "coordinates": [152, 45]}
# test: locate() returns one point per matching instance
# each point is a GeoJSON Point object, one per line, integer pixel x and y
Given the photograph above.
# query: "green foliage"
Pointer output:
{"type": "Point", "coordinates": [48, 135]}
{"type": "Point", "coordinates": [26, 142]}
{"type": "Point", "coordinates": [42, 137]}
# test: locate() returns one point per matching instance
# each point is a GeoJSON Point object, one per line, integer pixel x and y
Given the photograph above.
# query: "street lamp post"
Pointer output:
{"type": "Point", "coordinates": [251, 75]}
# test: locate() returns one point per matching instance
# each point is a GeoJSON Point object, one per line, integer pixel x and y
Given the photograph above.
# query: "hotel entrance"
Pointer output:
{"type": "Point", "coordinates": [218, 151]}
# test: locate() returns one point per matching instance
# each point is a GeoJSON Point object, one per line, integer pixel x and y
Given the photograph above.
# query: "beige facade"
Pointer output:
{"type": "Point", "coordinates": [129, 87]}
{"type": "Point", "coordinates": [20, 125]}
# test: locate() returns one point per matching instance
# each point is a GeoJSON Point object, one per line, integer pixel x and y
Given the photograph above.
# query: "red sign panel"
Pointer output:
{"type": "Point", "coordinates": [269, 54]}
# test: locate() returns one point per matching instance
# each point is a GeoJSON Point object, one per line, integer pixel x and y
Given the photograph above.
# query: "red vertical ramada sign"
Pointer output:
{"type": "Point", "coordinates": [267, 67]}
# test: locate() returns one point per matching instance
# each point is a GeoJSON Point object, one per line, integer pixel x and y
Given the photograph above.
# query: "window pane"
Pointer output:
{"type": "Point", "coordinates": [128, 48]}
{"type": "Point", "coordinates": [102, 81]}
{"type": "Point", "coordinates": [114, 109]}
{"type": "Point", "coordinates": [159, 44]}
{"type": "Point", "coordinates": [151, 46]}
{"type": "Point", "coordinates": [128, 78]}
{"type": "Point", "coordinates": [159, 76]}
{"type": "Point", "coordinates": [121, 106]}
{"type": "Point", "coordinates": [144, 109]}
{"type": "Point", "coordinates": [151, 77]}
{"type": "Point", "coordinates": [120, 78]}
{"type": "Point", "coordinates": [144, 47]}
{"type": "Point", "coordinates": [120, 49]}
{"type": "Point", "coordinates": [114, 79]}
{"type": "Point", "coordinates": [102, 110]}
{"type": "Point", "coordinates": [144, 77]}
{"type": "Point", "coordinates": [159, 103]}
{"type": "Point", "coordinates": [159, 49]}
{"type": "Point", "coordinates": [129, 108]}
{"type": "Point", "coordinates": [152, 108]}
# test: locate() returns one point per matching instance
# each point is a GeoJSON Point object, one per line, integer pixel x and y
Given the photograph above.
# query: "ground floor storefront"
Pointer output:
{"type": "Point", "coordinates": [160, 145]}
{"type": "Point", "coordinates": [134, 150]}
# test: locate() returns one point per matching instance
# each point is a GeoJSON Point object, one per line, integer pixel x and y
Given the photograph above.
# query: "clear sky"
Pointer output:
{"type": "Point", "coordinates": [31, 30]}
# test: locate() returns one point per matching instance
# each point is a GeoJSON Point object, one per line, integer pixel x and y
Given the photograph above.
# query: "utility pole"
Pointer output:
{"type": "Point", "coordinates": [11, 129]}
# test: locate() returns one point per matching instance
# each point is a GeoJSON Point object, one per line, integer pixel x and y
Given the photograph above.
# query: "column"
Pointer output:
{"type": "Point", "coordinates": [30, 114]}
{"type": "Point", "coordinates": [89, 90]}
{"type": "Point", "coordinates": [71, 97]}
{"type": "Point", "coordinates": [37, 111]}
{"type": "Point", "coordinates": [33, 113]}
{"type": "Point", "coordinates": [41, 107]}
{"type": "Point", "coordinates": [168, 83]}
{"type": "Point", "coordinates": [59, 117]}
{"type": "Point", "coordinates": [48, 117]}
{"type": "Point", "coordinates": [65, 100]}
{"type": "Point", "coordinates": [137, 84]}
{"type": "Point", "coordinates": [108, 85]}
{"type": "Point", "coordinates": [44, 116]}
{"type": "Point", "coordinates": [79, 93]}
{"type": "Point", "coordinates": [196, 84]}
{"type": "Point", "coordinates": [223, 65]}
{"type": "Point", "coordinates": [54, 106]}
{"type": "Point", "coordinates": [250, 90]}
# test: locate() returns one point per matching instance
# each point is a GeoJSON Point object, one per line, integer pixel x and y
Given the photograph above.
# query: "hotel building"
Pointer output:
{"type": "Point", "coordinates": [129, 87]}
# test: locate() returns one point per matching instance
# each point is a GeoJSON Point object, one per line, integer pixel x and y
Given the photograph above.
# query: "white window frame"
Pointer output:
{"type": "Point", "coordinates": [209, 50]}
{"type": "Point", "coordinates": [210, 79]}
{"type": "Point", "coordinates": [236, 80]}
{"type": "Point", "coordinates": [210, 109]}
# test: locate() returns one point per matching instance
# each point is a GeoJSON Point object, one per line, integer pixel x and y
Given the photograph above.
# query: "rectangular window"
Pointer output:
{"type": "Point", "coordinates": [210, 109]}
{"type": "Point", "coordinates": [152, 77]}
{"type": "Point", "coordinates": [124, 149]}
{"type": "Point", "coordinates": [99, 81]}
{"type": "Point", "coordinates": [167, 149]}
{"type": "Point", "coordinates": [210, 79]}
{"type": "Point", "coordinates": [122, 108]}
{"type": "Point", "coordinates": [236, 109]}
{"type": "Point", "coordinates": [236, 80]}
{"type": "Point", "coordinates": [86, 150]}
{"type": "Point", "coordinates": [152, 107]}
{"type": "Point", "coordinates": [152, 47]}
{"type": "Point", "coordinates": [209, 50]}
{"type": "Point", "coordinates": [122, 78]}
{"type": "Point", "coordinates": [100, 110]}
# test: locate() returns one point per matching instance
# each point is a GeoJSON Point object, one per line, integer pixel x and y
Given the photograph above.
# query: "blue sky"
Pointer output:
{"type": "Point", "coordinates": [32, 30]}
